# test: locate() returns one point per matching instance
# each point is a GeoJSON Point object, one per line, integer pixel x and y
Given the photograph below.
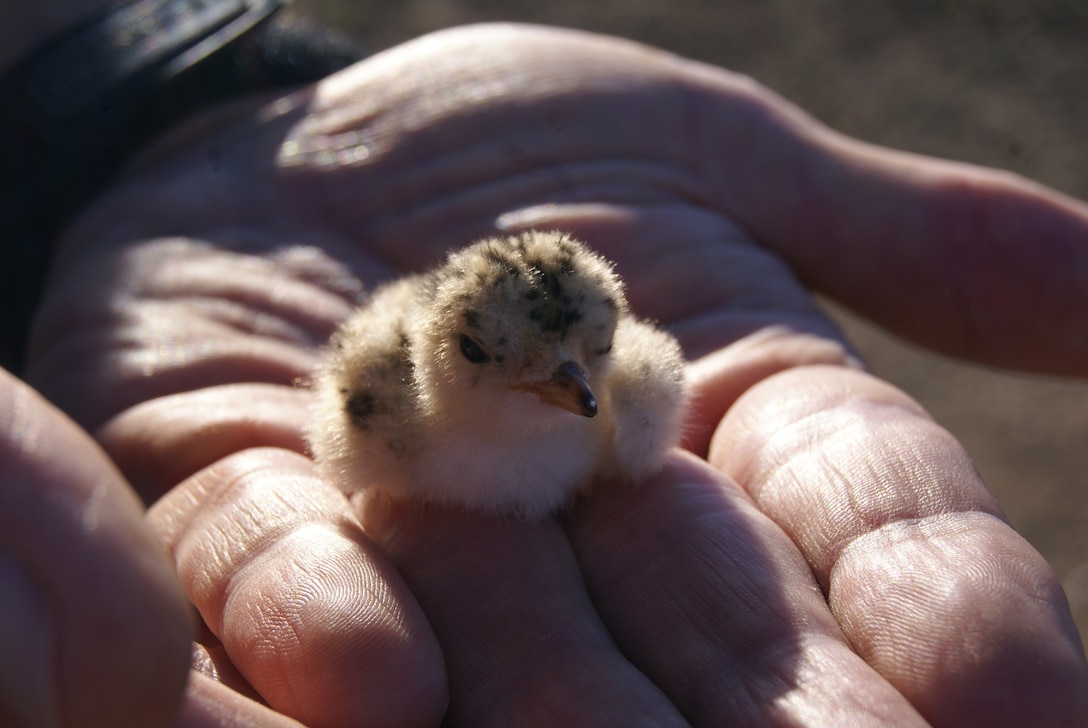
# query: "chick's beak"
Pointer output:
{"type": "Point", "coordinates": [567, 389]}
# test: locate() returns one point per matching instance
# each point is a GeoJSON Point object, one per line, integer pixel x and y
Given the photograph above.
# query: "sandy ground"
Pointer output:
{"type": "Point", "coordinates": [994, 82]}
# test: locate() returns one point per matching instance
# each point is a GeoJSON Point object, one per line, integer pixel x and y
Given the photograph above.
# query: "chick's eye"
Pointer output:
{"type": "Point", "coordinates": [472, 350]}
{"type": "Point", "coordinates": [605, 350]}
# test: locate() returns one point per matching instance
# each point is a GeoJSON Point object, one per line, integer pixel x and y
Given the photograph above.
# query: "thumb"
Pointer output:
{"type": "Point", "coordinates": [94, 627]}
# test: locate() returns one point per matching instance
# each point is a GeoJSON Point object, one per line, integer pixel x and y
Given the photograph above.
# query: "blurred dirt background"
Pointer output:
{"type": "Point", "coordinates": [1002, 83]}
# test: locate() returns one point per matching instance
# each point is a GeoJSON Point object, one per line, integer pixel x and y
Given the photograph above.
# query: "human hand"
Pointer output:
{"type": "Point", "coordinates": [834, 558]}
{"type": "Point", "coordinates": [95, 629]}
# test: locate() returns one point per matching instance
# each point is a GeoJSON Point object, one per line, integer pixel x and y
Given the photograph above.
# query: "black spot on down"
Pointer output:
{"type": "Point", "coordinates": [360, 407]}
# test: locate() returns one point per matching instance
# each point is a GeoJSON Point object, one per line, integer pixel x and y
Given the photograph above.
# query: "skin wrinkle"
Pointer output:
{"type": "Point", "coordinates": [315, 266]}
{"type": "Point", "coordinates": [858, 504]}
{"type": "Point", "coordinates": [719, 379]}
{"type": "Point", "coordinates": [482, 86]}
{"type": "Point", "coordinates": [437, 220]}
{"type": "Point", "coordinates": [262, 289]}
{"type": "Point", "coordinates": [248, 471]}
{"type": "Point", "coordinates": [393, 612]}
{"type": "Point", "coordinates": [204, 546]}
{"type": "Point", "coordinates": [792, 151]}
{"type": "Point", "coordinates": [784, 458]}
{"type": "Point", "coordinates": [959, 658]}
{"type": "Point", "coordinates": [235, 542]}
{"type": "Point", "coordinates": [255, 620]}
{"type": "Point", "coordinates": [221, 359]}
{"type": "Point", "coordinates": [979, 531]}
{"type": "Point", "coordinates": [313, 309]}
{"type": "Point", "coordinates": [242, 319]}
{"type": "Point", "coordinates": [261, 652]}
{"type": "Point", "coordinates": [557, 152]}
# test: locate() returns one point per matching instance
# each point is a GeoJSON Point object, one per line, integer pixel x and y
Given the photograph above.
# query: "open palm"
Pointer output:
{"type": "Point", "coordinates": [822, 554]}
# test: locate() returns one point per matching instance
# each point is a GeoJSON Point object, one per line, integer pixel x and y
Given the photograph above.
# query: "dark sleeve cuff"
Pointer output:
{"type": "Point", "coordinates": [75, 110]}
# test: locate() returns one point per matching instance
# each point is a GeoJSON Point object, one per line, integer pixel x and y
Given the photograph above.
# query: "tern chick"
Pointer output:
{"type": "Point", "coordinates": [505, 380]}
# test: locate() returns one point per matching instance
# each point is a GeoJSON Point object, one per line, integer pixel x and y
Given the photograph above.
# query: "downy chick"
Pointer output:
{"type": "Point", "coordinates": [505, 380]}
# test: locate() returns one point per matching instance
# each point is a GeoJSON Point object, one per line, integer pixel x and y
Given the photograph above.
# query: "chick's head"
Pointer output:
{"type": "Point", "coordinates": [524, 320]}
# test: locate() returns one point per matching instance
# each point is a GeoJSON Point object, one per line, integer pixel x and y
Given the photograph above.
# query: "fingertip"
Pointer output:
{"type": "Point", "coordinates": [328, 636]}
{"type": "Point", "coordinates": [309, 610]}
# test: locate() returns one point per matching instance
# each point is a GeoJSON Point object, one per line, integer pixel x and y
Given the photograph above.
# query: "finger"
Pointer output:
{"type": "Point", "coordinates": [314, 618]}
{"type": "Point", "coordinates": [971, 262]}
{"type": "Point", "coordinates": [712, 601]}
{"type": "Point", "coordinates": [930, 585]}
{"type": "Point", "coordinates": [178, 315]}
{"type": "Point", "coordinates": [210, 704]}
{"type": "Point", "coordinates": [95, 629]}
{"type": "Point", "coordinates": [522, 641]}
{"type": "Point", "coordinates": [161, 442]}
